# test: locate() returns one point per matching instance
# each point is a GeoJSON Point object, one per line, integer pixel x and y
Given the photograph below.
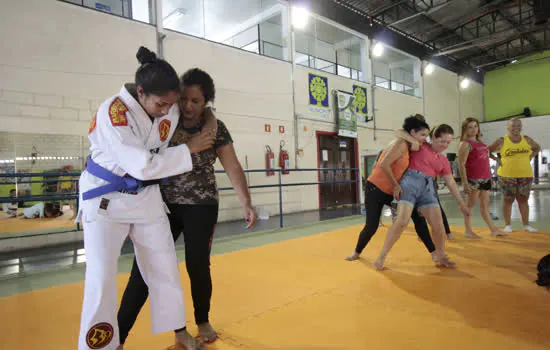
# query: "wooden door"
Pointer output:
{"type": "Point", "coordinates": [337, 152]}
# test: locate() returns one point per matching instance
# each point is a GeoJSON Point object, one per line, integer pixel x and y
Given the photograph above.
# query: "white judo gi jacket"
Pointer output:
{"type": "Point", "coordinates": [124, 140]}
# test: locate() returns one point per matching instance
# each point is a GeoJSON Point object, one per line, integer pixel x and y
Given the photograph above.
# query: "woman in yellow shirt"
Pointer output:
{"type": "Point", "coordinates": [515, 172]}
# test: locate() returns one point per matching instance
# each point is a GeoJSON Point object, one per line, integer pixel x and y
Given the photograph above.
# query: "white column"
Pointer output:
{"type": "Point", "coordinates": [159, 25]}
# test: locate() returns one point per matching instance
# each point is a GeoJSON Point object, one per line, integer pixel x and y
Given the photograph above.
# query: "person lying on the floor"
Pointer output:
{"type": "Point", "coordinates": [41, 210]}
{"type": "Point", "coordinates": [11, 208]}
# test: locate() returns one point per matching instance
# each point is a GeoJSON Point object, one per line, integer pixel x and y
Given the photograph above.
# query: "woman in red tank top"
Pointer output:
{"type": "Point", "coordinates": [475, 172]}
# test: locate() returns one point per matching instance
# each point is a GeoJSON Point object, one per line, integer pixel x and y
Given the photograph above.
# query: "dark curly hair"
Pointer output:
{"type": "Point", "coordinates": [154, 75]}
{"type": "Point", "coordinates": [415, 123]}
{"type": "Point", "coordinates": [196, 76]}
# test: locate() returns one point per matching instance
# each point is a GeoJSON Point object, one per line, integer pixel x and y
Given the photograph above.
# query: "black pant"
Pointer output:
{"type": "Point", "coordinates": [197, 222]}
{"type": "Point", "coordinates": [443, 215]}
{"type": "Point", "coordinates": [375, 200]}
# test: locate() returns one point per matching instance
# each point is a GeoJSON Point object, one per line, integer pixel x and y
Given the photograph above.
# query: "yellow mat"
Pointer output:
{"type": "Point", "coordinates": [20, 224]}
{"type": "Point", "coordinates": [302, 294]}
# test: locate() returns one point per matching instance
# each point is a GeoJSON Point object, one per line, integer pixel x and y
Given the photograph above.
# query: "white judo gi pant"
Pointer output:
{"type": "Point", "coordinates": [157, 261]}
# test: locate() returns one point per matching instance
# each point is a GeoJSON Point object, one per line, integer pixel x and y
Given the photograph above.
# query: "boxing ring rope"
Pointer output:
{"type": "Point", "coordinates": [279, 185]}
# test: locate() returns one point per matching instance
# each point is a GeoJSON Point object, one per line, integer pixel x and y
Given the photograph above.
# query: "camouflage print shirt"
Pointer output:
{"type": "Point", "coordinates": [197, 186]}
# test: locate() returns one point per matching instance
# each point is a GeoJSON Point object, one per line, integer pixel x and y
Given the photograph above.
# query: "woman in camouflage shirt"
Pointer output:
{"type": "Point", "coordinates": [192, 198]}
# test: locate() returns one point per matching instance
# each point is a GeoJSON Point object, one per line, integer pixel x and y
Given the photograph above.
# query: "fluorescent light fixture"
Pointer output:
{"type": "Point", "coordinates": [377, 49]}
{"type": "Point", "coordinates": [465, 83]}
{"type": "Point", "coordinates": [174, 16]}
{"type": "Point", "coordinates": [300, 17]}
{"type": "Point", "coordinates": [429, 69]}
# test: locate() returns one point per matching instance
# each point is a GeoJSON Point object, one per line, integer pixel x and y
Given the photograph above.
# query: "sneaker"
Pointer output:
{"type": "Point", "coordinates": [493, 216]}
{"type": "Point", "coordinates": [450, 237]}
{"type": "Point", "coordinates": [507, 229]}
{"type": "Point", "coordinates": [530, 228]}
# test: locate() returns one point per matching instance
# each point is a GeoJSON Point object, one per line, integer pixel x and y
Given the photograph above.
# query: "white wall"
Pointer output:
{"type": "Point", "coordinates": [392, 108]}
{"type": "Point", "coordinates": [62, 64]}
{"type": "Point", "coordinates": [471, 102]}
{"type": "Point", "coordinates": [441, 101]}
{"type": "Point", "coordinates": [67, 59]}
{"type": "Point", "coordinates": [537, 128]}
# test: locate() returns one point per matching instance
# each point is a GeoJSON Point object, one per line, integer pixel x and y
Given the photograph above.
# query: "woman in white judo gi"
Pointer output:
{"type": "Point", "coordinates": [120, 196]}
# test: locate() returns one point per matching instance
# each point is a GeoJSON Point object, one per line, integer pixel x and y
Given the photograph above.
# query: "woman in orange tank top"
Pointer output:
{"type": "Point", "coordinates": [383, 184]}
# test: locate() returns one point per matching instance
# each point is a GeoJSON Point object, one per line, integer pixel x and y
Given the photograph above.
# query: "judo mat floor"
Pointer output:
{"type": "Point", "coordinates": [297, 292]}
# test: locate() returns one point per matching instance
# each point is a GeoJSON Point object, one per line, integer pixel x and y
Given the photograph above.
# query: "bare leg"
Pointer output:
{"type": "Point", "coordinates": [472, 199]}
{"type": "Point", "coordinates": [507, 202]}
{"type": "Point", "coordinates": [484, 200]}
{"type": "Point", "coordinates": [433, 216]}
{"type": "Point", "coordinates": [404, 212]}
{"type": "Point", "coordinates": [523, 209]}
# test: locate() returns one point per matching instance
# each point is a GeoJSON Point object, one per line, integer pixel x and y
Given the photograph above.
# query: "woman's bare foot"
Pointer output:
{"type": "Point", "coordinates": [353, 256]}
{"type": "Point", "coordinates": [471, 234]}
{"type": "Point", "coordinates": [379, 263]}
{"type": "Point", "coordinates": [446, 262]}
{"type": "Point", "coordinates": [207, 333]}
{"type": "Point", "coordinates": [185, 339]}
{"type": "Point", "coordinates": [434, 257]}
{"type": "Point", "coordinates": [498, 233]}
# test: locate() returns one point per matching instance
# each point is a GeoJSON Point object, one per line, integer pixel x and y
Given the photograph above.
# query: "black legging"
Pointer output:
{"type": "Point", "coordinates": [443, 215]}
{"type": "Point", "coordinates": [375, 200]}
{"type": "Point", "coordinates": [197, 222]}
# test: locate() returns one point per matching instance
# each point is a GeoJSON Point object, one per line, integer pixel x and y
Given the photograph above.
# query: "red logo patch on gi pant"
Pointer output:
{"type": "Point", "coordinates": [99, 336]}
{"type": "Point", "coordinates": [92, 124]}
{"type": "Point", "coordinates": [117, 113]}
{"type": "Point", "coordinates": [164, 129]}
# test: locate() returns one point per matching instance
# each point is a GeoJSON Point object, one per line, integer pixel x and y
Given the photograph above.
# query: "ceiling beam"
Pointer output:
{"type": "Point", "coordinates": [518, 24]}
{"type": "Point", "coordinates": [427, 12]}
{"type": "Point", "coordinates": [516, 56]}
{"type": "Point", "coordinates": [504, 42]}
{"type": "Point", "coordinates": [479, 17]}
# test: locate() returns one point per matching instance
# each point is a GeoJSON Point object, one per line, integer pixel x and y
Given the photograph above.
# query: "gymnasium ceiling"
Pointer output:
{"type": "Point", "coordinates": [466, 35]}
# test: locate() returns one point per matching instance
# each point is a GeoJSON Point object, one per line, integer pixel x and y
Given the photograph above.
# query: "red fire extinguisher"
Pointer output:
{"type": "Point", "coordinates": [284, 161]}
{"type": "Point", "coordinates": [269, 161]}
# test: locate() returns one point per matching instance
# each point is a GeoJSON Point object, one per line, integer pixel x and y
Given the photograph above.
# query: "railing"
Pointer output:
{"type": "Point", "coordinates": [279, 185]}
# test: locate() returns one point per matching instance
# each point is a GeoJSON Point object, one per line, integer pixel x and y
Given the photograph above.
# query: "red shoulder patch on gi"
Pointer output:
{"type": "Point", "coordinates": [99, 336]}
{"type": "Point", "coordinates": [117, 113]}
{"type": "Point", "coordinates": [92, 124]}
{"type": "Point", "coordinates": [164, 129]}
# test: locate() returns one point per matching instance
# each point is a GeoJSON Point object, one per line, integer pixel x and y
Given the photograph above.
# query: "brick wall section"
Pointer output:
{"type": "Point", "coordinates": [24, 104]}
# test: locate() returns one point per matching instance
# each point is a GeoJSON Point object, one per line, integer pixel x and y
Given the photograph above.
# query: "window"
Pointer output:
{"type": "Point", "coordinates": [237, 23]}
{"type": "Point", "coordinates": [381, 82]}
{"type": "Point", "coordinates": [322, 46]}
{"type": "Point", "coordinates": [139, 10]}
{"type": "Point", "coordinates": [344, 71]}
{"type": "Point", "coordinates": [396, 71]}
{"type": "Point", "coordinates": [252, 47]}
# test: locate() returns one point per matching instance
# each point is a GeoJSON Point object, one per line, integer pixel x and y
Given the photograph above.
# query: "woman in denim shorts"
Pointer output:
{"type": "Point", "coordinates": [379, 187]}
{"type": "Point", "coordinates": [417, 189]}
